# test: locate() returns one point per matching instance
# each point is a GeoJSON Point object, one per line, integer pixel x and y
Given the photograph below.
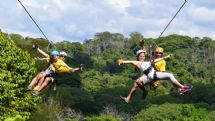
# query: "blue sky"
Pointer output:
{"type": "Point", "coordinates": [77, 20]}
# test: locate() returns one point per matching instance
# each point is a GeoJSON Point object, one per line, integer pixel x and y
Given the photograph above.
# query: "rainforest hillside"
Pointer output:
{"type": "Point", "coordinates": [94, 93]}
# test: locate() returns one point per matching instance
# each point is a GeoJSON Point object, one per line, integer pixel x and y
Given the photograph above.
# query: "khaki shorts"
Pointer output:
{"type": "Point", "coordinates": [51, 79]}
{"type": "Point", "coordinates": [49, 74]}
{"type": "Point", "coordinates": [144, 79]}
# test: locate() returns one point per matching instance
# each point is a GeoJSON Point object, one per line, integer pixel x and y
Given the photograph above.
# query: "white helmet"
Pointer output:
{"type": "Point", "coordinates": [63, 53]}
{"type": "Point", "coordinates": [140, 51]}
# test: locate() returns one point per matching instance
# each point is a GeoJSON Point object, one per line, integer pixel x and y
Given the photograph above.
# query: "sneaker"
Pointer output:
{"type": "Point", "coordinates": [36, 93]}
{"type": "Point", "coordinates": [184, 89]}
{"type": "Point", "coordinates": [36, 88]}
{"type": "Point", "coordinates": [29, 88]}
{"type": "Point", "coordinates": [124, 99]}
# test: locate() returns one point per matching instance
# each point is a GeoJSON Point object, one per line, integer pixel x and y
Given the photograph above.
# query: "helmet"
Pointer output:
{"type": "Point", "coordinates": [141, 51]}
{"type": "Point", "coordinates": [63, 53]}
{"type": "Point", "coordinates": [54, 53]}
{"type": "Point", "coordinates": [159, 50]}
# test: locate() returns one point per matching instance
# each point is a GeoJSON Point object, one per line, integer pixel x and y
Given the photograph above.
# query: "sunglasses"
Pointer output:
{"type": "Point", "coordinates": [158, 53]}
{"type": "Point", "coordinates": [62, 56]}
{"type": "Point", "coordinates": [54, 55]}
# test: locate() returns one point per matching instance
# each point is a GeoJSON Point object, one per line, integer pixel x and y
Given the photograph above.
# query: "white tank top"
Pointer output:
{"type": "Point", "coordinates": [145, 65]}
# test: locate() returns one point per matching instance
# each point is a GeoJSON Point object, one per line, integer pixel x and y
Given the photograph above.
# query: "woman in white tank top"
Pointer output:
{"type": "Point", "coordinates": [149, 74]}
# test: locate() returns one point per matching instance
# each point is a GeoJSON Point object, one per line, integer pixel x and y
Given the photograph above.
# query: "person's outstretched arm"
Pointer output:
{"type": "Point", "coordinates": [75, 69]}
{"type": "Point", "coordinates": [165, 57]}
{"type": "Point", "coordinates": [134, 63]}
{"type": "Point", "coordinates": [64, 68]}
{"type": "Point", "coordinates": [42, 52]}
{"type": "Point", "coordinates": [40, 59]}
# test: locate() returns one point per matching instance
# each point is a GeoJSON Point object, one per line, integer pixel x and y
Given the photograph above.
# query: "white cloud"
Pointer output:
{"type": "Point", "coordinates": [202, 13]}
{"type": "Point", "coordinates": [81, 19]}
{"type": "Point", "coordinates": [59, 4]}
{"type": "Point", "coordinates": [31, 3]}
{"type": "Point", "coordinates": [118, 5]}
{"type": "Point", "coordinates": [71, 28]}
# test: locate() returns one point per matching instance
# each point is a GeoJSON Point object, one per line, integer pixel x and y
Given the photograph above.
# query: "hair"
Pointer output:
{"type": "Point", "coordinates": [136, 69]}
{"type": "Point", "coordinates": [51, 60]}
{"type": "Point", "coordinates": [138, 56]}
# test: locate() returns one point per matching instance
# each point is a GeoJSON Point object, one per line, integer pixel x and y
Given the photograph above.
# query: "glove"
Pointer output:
{"type": "Point", "coordinates": [168, 56]}
{"type": "Point", "coordinates": [141, 42]}
{"type": "Point", "coordinates": [35, 46]}
{"type": "Point", "coordinates": [120, 61]}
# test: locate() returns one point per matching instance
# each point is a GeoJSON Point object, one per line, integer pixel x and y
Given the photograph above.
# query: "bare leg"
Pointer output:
{"type": "Point", "coordinates": [141, 85]}
{"type": "Point", "coordinates": [45, 83]}
{"type": "Point", "coordinates": [138, 83]}
{"type": "Point", "coordinates": [42, 79]}
{"type": "Point", "coordinates": [35, 80]}
{"type": "Point", "coordinates": [131, 93]}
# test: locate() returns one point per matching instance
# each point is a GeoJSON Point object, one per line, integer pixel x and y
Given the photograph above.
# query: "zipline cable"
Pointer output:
{"type": "Point", "coordinates": [172, 18]}
{"type": "Point", "coordinates": [154, 45]}
{"type": "Point", "coordinates": [50, 43]}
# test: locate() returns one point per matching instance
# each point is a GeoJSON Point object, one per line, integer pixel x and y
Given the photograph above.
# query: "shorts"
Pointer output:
{"type": "Point", "coordinates": [49, 73]}
{"type": "Point", "coordinates": [51, 79]}
{"type": "Point", "coordinates": [145, 79]}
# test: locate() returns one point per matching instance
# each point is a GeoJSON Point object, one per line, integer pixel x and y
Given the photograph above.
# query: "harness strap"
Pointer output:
{"type": "Point", "coordinates": [153, 81]}
{"type": "Point", "coordinates": [147, 71]}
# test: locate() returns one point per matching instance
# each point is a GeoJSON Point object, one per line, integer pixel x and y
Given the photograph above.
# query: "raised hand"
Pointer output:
{"type": "Point", "coordinates": [35, 46]}
{"type": "Point", "coordinates": [120, 61]}
{"type": "Point", "coordinates": [168, 56]}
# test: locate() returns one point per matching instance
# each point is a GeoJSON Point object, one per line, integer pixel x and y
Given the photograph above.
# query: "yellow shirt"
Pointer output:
{"type": "Point", "coordinates": [160, 65]}
{"type": "Point", "coordinates": [61, 67]}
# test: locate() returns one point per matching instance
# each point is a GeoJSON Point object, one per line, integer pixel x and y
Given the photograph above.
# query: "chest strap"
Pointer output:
{"type": "Point", "coordinates": [147, 71]}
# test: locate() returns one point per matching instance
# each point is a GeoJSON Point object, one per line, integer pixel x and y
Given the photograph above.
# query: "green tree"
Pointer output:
{"type": "Point", "coordinates": [172, 112]}
{"type": "Point", "coordinates": [103, 118]}
{"type": "Point", "coordinates": [17, 69]}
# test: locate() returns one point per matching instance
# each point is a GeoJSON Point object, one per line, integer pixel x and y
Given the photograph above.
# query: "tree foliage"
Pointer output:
{"type": "Point", "coordinates": [103, 81]}
{"type": "Point", "coordinates": [17, 68]}
{"type": "Point", "coordinates": [170, 112]}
